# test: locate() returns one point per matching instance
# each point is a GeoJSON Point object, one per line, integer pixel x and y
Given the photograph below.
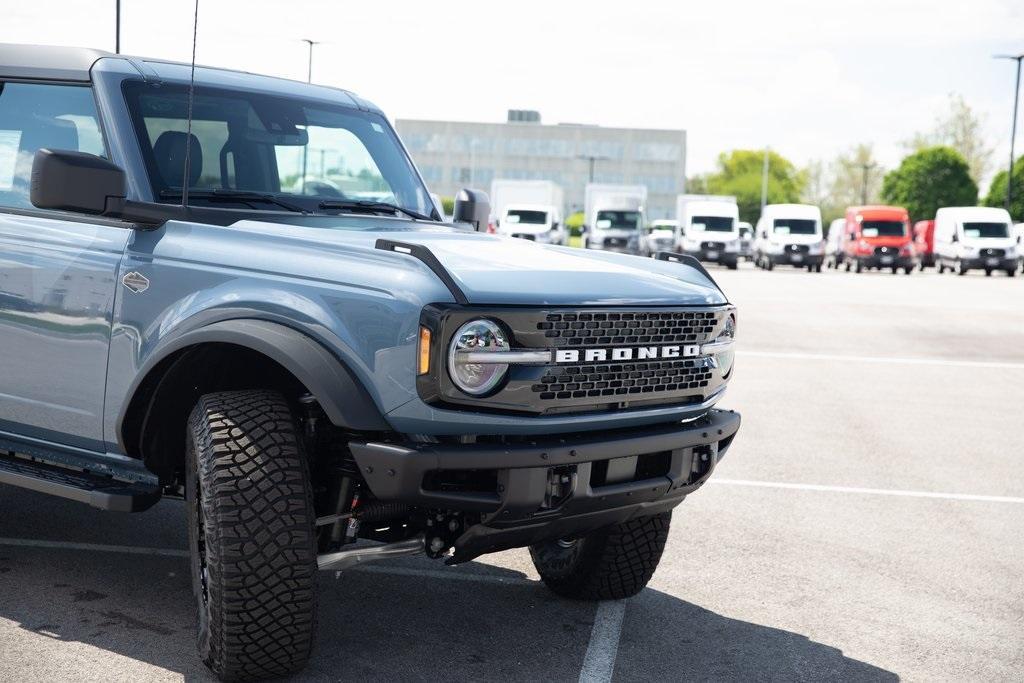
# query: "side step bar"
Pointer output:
{"type": "Point", "coordinates": [94, 489]}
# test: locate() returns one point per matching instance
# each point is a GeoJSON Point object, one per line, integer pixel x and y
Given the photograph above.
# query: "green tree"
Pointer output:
{"type": "Point", "coordinates": [739, 174]}
{"type": "Point", "coordinates": [997, 191]}
{"type": "Point", "coordinates": [960, 128]}
{"type": "Point", "coordinates": [448, 205]}
{"type": "Point", "coordinates": [574, 222]}
{"type": "Point", "coordinates": [929, 179]}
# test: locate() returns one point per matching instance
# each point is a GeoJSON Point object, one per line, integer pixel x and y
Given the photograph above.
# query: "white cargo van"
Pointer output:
{"type": "Point", "coordinates": [660, 235]}
{"type": "Point", "coordinates": [834, 243]}
{"type": "Point", "coordinates": [975, 238]}
{"type": "Point", "coordinates": [529, 209]}
{"type": "Point", "coordinates": [614, 217]}
{"type": "Point", "coordinates": [789, 234]}
{"type": "Point", "coordinates": [709, 228]}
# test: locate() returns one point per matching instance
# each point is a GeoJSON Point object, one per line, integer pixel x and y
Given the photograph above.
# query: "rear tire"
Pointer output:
{"type": "Point", "coordinates": [607, 564]}
{"type": "Point", "coordinates": [252, 536]}
{"type": "Point", "coordinates": [860, 267]}
{"type": "Point", "coordinates": [1011, 272]}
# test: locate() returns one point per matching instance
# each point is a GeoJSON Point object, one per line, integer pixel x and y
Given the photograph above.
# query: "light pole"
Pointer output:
{"type": "Point", "coordinates": [764, 180]}
{"type": "Point", "coordinates": [309, 68]}
{"type": "Point", "coordinates": [117, 27]}
{"type": "Point", "coordinates": [1013, 126]}
{"type": "Point", "coordinates": [592, 159]}
{"type": "Point", "coordinates": [864, 182]}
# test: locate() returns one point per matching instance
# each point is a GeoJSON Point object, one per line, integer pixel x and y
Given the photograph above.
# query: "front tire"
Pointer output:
{"type": "Point", "coordinates": [608, 564]}
{"type": "Point", "coordinates": [251, 535]}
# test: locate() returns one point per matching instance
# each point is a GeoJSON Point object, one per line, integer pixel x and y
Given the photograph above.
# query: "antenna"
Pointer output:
{"type": "Point", "coordinates": [191, 96]}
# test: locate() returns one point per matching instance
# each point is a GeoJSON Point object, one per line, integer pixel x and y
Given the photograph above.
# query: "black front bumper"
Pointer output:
{"type": "Point", "coordinates": [715, 256]}
{"type": "Point", "coordinates": [798, 259]}
{"type": "Point", "coordinates": [990, 263]}
{"type": "Point", "coordinates": [882, 262]}
{"type": "Point", "coordinates": [613, 476]}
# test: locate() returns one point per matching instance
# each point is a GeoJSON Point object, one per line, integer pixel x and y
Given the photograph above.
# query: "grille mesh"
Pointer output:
{"type": "Point", "coordinates": [580, 381]}
{"type": "Point", "coordinates": [669, 327]}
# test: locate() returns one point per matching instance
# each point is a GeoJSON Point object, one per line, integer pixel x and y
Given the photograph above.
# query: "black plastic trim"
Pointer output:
{"type": "Point", "coordinates": [427, 257]}
{"type": "Point", "coordinates": [687, 260]}
{"type": "Point", "coordinates": [343, 398]}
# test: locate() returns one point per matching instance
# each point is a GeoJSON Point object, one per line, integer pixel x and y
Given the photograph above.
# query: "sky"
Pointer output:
{"type": "Point", "coordinates": [809, 79]}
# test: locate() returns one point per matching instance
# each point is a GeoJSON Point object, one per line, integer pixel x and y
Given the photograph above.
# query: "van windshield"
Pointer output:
{"type": "Point", "coordinates": [883, 228]}
{"type": "Point", "coordinates": [526, 217]}
{"type": "Point", "coordinates": [712, 223]}
{"type": "Point", "coordinates": [986, 230]}
{"type": "Point", "coordinates": [795, 226]}
{"type": "Point", "coordinates": [618, 220]}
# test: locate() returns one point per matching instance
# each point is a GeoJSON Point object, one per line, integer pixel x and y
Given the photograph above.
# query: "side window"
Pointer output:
{"type": "Point", "coordinates": [34, 116]}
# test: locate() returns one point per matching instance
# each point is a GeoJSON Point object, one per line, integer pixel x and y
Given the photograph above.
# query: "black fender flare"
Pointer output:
{"type": "Point", "coordinates": [342, 396]}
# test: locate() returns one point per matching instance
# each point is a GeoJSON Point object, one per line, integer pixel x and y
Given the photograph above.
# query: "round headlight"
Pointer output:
{"type": "Point", "coordinates": [468, 374]}
{"type": "Point", "coordinates": [725, 358]}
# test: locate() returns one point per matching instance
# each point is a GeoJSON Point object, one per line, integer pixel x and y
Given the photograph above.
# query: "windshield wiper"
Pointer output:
{"type": "Point", "coordinates": [355, 205]}
{"type": "Point", "coordinates": [240, 196]}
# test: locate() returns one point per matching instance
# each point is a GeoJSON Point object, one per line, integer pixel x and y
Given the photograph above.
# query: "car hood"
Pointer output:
{"type": "Point", "coordinates": [524, 228]}
{"type": "Point", "coordinates": [496, 269]}
{"type": "Point", "coordinates": [501, 270]}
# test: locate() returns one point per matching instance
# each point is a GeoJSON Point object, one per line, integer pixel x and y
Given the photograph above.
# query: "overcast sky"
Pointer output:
{"type": "Point", "coordinates": [808, 78]}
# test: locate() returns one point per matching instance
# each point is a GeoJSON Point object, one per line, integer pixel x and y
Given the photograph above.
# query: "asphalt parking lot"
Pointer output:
{"type": "Point", "coordinates": [866, 525]}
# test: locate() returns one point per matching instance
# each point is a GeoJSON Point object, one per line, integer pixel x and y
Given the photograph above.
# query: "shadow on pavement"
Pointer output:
{"type": "Point", "coordinates": [372, 625]}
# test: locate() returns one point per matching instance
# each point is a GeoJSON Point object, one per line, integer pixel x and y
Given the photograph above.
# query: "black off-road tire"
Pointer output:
{"type": "Point", "coordinates": [607, 564]}
{"type": "Point", "coordinates": [251, 536]}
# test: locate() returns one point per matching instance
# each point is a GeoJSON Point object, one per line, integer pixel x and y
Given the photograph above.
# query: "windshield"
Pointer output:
{"type": "Point", "coordinates": [617, 220]}
{"type": "Point", "coordinates": [883, 228]}
{"type": "Point", "coordinates": [526, 217]}
{"type": "Point", "coordinates": [307, 151]}
{"type": "Point", "coordinates": [795, 226]}
{"type": "Point", "coordinates": [712, 223]}
{"type": "Point", "coordinates": [986, 230]}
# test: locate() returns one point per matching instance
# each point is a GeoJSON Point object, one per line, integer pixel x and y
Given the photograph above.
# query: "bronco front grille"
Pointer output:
{"type": "Point", "coordinates": [583, 384]}
{"type": "Point", "coordinates": [649, 377]}
{"type": "Point", "coordinates": [641, 327]}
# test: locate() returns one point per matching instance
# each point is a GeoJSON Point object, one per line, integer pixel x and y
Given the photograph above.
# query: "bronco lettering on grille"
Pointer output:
{"type": "Point", "coordinates": [626, 353]}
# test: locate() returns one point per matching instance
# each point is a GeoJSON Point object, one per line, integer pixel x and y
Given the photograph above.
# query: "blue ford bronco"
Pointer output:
{"type": "Point", "coordinates": [236, 291]}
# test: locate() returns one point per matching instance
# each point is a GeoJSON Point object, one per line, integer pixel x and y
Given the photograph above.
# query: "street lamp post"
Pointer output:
{"type": "Point", "coordinates": [117, 27]}
{"type": "Point", "coordinates": [764, 180]}
{"type": "Point", "coordinates": [592, 159]}
{"type": "Point", "coordinates": [1013, 125]}
{"type": "Point", "coordinates": [864, 182]}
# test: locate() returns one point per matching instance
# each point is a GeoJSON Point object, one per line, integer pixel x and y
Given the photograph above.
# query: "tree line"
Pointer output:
{"type": "Point", "coordinates": [943, 167]}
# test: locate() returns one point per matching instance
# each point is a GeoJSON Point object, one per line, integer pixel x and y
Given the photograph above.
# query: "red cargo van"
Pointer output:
{"type": "Point", "coordinates": [879, 237]}
{"type": "Point", "coordinates": [924, 243]}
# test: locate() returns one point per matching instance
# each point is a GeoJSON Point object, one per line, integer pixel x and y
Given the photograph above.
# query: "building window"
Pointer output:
{"type": "Point", "coordinates": [463, 174]}
{"type": "Point", "coordinates": [657, 151]}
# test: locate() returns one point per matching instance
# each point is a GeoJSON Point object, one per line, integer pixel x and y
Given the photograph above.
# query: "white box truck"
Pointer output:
{"type": "Point", "coordinates": [614, 217]}
{"type": "Point", "coordinates": [529, 209]}
{"type": "Point", "coordinates": [709, 228]}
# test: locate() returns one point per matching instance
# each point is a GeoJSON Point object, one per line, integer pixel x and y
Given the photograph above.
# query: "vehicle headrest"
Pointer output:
{"type": "Point", "coordinates": [169, 151]}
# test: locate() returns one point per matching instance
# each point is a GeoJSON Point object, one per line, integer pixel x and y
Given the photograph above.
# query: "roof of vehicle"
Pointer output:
{"type": "Point", "coordinates": [792, 211]}
{"type": "Point", "coordinates": [49, 62]}
{"type": "Point", "coordinates": [960, 213]}
{"type": "Point", "coordinates": [877, 210]}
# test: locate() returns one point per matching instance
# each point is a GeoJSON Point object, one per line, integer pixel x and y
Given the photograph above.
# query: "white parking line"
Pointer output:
{"type": "Point", "coordinates": [96, 547]}
{"type": "Point", "coordinates": [876, 492]}
{"type": "Point", "coordinates": [599, 662]}
{"type": "Point", "coordinates": [946, 362]}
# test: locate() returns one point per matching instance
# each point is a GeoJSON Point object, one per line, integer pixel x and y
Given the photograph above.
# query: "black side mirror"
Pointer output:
{"type": "Point", "coordinates": [955, 238]}
{"type": "Point", "coordinates": [76, 181]}
{"type": "Point", "coordinates": [473, 207]}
